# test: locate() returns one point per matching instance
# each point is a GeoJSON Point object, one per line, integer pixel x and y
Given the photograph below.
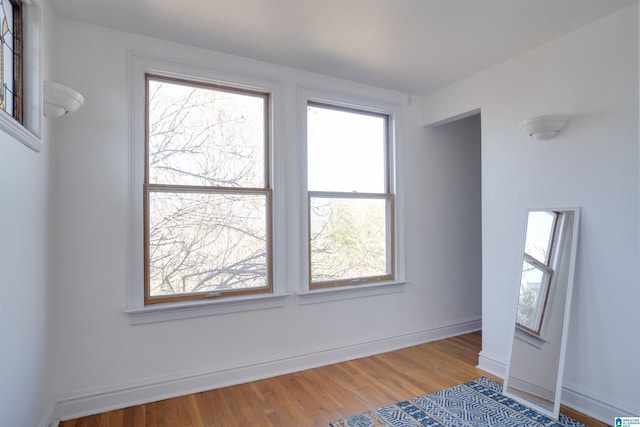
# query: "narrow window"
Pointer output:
{"type": "Point", "coordinates": [207, 197]}
{"type": "Point", "coordinates": [537, 269]}
{"type": "Point", "coordinates": [11, 58]}
{"type": "Point", "coordinates": [350, 202]}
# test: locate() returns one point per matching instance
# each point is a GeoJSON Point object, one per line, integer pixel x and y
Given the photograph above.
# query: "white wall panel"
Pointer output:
{"type": "Point", "coordinates": [97, 349]}
{"type": "Point", "coordinates": [591, 74]}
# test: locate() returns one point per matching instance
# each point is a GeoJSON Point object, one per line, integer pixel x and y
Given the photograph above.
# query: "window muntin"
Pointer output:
{"type": "Point", "coordinates": [207, 201]}
{"type": "Point", "coordinates": [351, 210]}
{"type": "Point", "coordinates": [11, 58]}
{"type": "Point", "coordinates": [537, 269]}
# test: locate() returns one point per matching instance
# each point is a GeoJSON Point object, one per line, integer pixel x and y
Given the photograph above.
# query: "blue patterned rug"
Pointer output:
{"type": "Point", "coordinates": [477, 403]}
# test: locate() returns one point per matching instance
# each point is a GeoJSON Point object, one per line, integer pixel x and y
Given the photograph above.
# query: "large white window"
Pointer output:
{"type": "Point", "coordinates": [350, 205]}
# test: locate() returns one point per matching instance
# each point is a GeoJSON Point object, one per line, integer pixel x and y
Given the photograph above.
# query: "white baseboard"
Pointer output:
{"type": "Point", "coordinates": [527, 387]}
{"type": "Point", "coordinates": [49, 419]}
{"type": "Point", "coordinates": [595, 405]}
{"type": "Point", "coordinates": [102, 399]}
{"type": "Point", "coordinates": [491, 363]}
{"type": "Point", "coordinates": [586, 402]}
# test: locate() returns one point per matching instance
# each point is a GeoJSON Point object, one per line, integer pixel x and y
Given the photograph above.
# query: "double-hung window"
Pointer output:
{"type": "Point", "coordinates": [349, 196]}
{"type": "Point", "coordinates": [537, 270]}
{"type": "Point", "coordinates": [207, 194]}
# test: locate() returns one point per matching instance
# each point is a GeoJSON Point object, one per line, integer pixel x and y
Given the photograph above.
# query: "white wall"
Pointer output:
{"type": "Point", "coordinates": [591, 74]}
{"type": "Point", "coordinates": [101, 361]}
{"type": "Point", "coordinates": [450, 227]}
{"type": "Point", "coordinates": [25, 286]}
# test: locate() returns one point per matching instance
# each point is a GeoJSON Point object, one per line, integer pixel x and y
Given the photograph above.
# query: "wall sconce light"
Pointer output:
{"type": "Point", "coordinates": [60, 100]}
{"type": "Point", "coordinates": [544, 127]}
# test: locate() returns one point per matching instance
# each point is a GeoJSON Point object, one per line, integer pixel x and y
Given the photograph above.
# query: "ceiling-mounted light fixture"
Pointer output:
{"type": "Point", "coordinates": [60, 100]}
{"type": "Point", "coordinates": [544, 127]}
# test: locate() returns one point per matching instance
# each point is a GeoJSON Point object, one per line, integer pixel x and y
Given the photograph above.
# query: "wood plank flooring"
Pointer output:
{"type": "Point", "coordinates": [316, 396]}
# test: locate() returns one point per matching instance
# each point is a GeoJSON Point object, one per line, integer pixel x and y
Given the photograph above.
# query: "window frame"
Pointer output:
{"type": "Point", "coordinates": [140, 64]}
{"type": "Point", "coordinates": [308, 294]}
{"type": "Point", "coordinates": [390, 203]}
{"type": "Point", "coordinates": [548, 269]}
{"type": "Point", "coordinates": [200, 189]}
{"type": "Point", "coordinates": [388, 196]}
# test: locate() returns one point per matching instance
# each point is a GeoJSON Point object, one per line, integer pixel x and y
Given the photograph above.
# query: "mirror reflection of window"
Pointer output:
{"type": "Point", "coordinates": [537, 269]}
{"type": "Point", "coordinates": [540, 232]}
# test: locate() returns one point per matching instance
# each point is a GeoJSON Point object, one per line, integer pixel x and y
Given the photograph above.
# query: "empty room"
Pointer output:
{"type": "Point", "coordinates": [301, 213]}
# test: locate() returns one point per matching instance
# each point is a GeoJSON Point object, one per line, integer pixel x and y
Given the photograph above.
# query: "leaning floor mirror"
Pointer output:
{"type": "Point", "coordinates": [536, 362]}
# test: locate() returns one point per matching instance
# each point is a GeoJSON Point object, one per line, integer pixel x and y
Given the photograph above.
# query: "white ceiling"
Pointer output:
{"type": "Point", "coordinates": [412, 46]}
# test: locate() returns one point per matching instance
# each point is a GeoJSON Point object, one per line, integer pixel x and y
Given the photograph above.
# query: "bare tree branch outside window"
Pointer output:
{"type": "Point", "coordinates": [207, 193]}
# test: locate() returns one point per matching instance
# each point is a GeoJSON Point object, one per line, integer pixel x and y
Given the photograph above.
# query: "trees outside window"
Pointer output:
{"type": "Point", "coordinates": [207, 195]}
{"type": "Point", "coordinates": [350, 203]}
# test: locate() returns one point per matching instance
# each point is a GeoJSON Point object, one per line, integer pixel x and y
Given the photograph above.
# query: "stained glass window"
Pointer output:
{"type": "Point", "coordinates": [11, 58]}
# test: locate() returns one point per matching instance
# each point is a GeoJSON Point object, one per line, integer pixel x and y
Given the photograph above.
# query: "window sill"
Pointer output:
{"type": "Point", "coordinates": [19, 132]}
{"type": "Point", "coordinates": [186, 310]}
{"type": "Point", "coordinates": [337, 293]}
{"type": "Point", "coordinates": [529, 338]}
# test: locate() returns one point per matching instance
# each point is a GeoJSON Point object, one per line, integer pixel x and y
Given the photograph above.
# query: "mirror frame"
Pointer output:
{"type": "Point", "coordinates": [565, 324]}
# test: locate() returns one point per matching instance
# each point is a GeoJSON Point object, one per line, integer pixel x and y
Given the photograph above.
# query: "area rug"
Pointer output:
{"type": "Point", "coordinates": [478, 403]}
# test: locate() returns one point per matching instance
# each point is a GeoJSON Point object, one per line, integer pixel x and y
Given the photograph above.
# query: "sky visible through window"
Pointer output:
{"type": "Point", "coordinates": [349, 207]}
{"type": "Point", "coordinates": [350, 145]}
{"type": "Point", "coordinates": [539, 235]}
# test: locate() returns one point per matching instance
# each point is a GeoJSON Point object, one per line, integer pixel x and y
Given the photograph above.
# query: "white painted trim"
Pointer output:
{"type": "Point", "coordinates": [190, 309]}
{"type": "Point", "coordinates": [595, 405]}
{"type": "Point", "coordinates": [48, 418]}
{"type": "Point", "coordinates": [10, 126]}
{"type": "Point", "coordinates": [395, 110]}
{"type": "Point", "coordinates": [529, 338]}
{"type": "Point", "coordinates": [464, 115]}
{"type": "Point", "coordinates": [337, 293]}
{"type": "Point", "coordinates": [534, 389]}
{"type": "Point", "coordinates": [101, 399]}
{"type": "Point", "coordinates": [585, 401]}
{"type": "Point", "coordinates": [492, 364]}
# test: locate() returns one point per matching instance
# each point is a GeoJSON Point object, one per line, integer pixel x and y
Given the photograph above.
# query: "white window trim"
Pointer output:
{"type": "Point", "coordinates": [29, 132]}
{"type": "Point", "coordinates": [394, 111]}
{"type": "Point", "coordinates": [337, 293]}
{"type": "Point", "coordinates": [139, 64]}
{"type": "Point", "coordinates": [188, 309]}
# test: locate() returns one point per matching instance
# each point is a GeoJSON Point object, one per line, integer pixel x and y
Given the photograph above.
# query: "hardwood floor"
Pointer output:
{"type": "Point", "coordinates": [316, 396]}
